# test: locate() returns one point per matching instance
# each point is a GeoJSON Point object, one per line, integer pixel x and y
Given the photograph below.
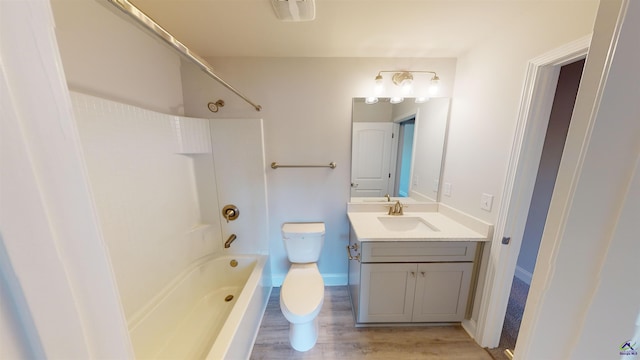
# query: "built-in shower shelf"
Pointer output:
{"type": "Point", "coordinates": [191, 135]}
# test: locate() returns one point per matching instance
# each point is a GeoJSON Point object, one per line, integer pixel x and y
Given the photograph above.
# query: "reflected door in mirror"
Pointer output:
{"type": "Point", "coordinates": [371, 159]}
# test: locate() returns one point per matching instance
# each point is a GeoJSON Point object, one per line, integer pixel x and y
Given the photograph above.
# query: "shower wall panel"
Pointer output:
{"type": "Point", "coordinates": [145, 193]}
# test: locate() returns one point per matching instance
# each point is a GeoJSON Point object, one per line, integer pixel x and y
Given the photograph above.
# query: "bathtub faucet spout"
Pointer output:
{"type": "Point", "coordinates": [227, 244]}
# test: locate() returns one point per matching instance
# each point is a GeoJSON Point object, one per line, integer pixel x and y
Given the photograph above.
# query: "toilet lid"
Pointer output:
{"type": "Point", "coordinates": [302, 291]}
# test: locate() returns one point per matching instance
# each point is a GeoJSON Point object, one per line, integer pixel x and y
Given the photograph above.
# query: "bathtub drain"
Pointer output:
{"type": "Point", "coordinates": [228, 298]}
{"type": "Point", "coordinates": [233, 263]}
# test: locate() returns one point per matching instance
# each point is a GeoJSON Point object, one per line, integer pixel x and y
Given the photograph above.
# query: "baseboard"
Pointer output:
{"type": "Point", "coordinates": [523, 275]}
{"type": "Point", "coordinates": [470, 326]}
{"type": "Point", "coordinates": [335, 279]}
{"type": "Point", "coordinates": [277, 280]}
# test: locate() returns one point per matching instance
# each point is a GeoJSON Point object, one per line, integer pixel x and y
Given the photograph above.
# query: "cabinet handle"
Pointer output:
{"type": "Point", "coordinates": [349, 256]}
{"type": "Point", "coordinates": [422, 272]}
{"type": "Point", "coordinates": [413, 274]}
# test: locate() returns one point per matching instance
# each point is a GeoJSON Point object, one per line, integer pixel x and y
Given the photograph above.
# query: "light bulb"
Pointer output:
{"type": "Point", "coordinates": [407, 86]}
{"type": "Point", "coordinates": [378, 88]}
{"type": "Point", "coordinates": [422, 99]}
{"type": "Point", "coordinates": [396, 100]}
{"type": "Point", "coordinates": [371, 100]}
{"type": "Point", "coordinates": [434, 87]}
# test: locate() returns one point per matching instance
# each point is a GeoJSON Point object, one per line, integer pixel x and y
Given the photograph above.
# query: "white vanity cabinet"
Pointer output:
{"type": "Point", "coordinates": [405, 282]}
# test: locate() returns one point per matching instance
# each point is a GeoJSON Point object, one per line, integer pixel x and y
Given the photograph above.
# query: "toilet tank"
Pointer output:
{"type": "Point", "coordinates": [303, 241]}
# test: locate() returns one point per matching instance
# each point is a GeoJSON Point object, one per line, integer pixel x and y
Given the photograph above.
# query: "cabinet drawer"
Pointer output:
{"type": "Point", "coordinates": [403, 251]}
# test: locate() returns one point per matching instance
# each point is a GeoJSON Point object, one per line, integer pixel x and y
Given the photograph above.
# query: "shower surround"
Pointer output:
{"type": "Point", "coordinates": [158, 195]}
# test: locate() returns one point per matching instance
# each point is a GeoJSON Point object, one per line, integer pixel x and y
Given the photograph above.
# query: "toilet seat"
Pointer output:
{"type": "Point", "coordinates": [302, 293]}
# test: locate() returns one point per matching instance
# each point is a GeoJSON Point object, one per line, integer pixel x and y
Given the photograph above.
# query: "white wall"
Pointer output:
{"type": "Point", "coordinates": [307, 120]}
{"type": "Point", "coordinates": [12, 327]}
{"type": "Point", "coordinates": [105, 55]}
{"type": "Point", "coordinates": [484, 109]}
{"type": "Point", "coordinates": [378, 112]}
{"type": "Point", "coordinates": [613, 316]}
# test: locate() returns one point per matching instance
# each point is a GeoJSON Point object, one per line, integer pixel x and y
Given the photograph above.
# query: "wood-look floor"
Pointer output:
{"type": "Point", "coordinates": [339, 339]}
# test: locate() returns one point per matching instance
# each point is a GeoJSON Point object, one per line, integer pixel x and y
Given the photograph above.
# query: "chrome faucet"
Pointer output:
{"type": "Point", "coordinates": [396, 209]}
{"type": "Point", "coordinates": [227, 244]}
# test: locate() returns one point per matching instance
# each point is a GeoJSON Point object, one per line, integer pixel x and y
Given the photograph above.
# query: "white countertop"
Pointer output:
{"type": "Point", "coordinates": [368, 227]}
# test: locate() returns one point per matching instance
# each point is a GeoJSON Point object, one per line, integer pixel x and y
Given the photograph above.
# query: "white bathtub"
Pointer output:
{"type": "Point", "coordinates": [191, 319]}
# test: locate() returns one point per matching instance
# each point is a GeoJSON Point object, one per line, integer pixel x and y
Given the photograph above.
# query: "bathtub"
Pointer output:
{"type": "Point", "coordinates": [212, 310]}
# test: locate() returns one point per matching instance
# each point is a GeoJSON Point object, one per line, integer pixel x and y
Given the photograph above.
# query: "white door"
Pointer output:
{"type": "Point", "coordinates": [371, 159]}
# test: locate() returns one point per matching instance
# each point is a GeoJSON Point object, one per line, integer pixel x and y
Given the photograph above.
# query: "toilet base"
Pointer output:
{"type": "Point", "coordinates": [303, 336]}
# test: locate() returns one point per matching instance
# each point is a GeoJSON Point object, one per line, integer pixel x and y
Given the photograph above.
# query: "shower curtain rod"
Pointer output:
{"type": "Point", "coordinates": [148, 23]}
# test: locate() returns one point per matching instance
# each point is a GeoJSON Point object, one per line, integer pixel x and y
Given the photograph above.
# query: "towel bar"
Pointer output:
{"type": "Point", "coordinates": [275, 165]}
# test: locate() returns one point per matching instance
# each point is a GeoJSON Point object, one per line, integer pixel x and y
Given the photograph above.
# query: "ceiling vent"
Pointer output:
{"type": "Point", "coordinates": [294, 10]}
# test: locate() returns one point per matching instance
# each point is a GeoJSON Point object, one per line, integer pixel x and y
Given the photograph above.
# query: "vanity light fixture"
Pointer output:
{"type": "Point", "coordinates": [405, 80]}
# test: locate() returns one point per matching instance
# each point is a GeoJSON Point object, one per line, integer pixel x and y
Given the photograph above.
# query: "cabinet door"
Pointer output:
{"type": "Point", "coordinates": [442, 291]}
{"type": "Point", "coordinates": [387, 292]}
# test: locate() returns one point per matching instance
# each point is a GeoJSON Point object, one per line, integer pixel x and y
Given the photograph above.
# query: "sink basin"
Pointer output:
{"type": "Point", "coordinates": [406, 223]}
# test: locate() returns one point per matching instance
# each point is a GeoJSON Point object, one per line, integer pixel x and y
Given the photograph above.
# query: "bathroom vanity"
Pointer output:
{"type": "Point", "coordinates": [419, 267]}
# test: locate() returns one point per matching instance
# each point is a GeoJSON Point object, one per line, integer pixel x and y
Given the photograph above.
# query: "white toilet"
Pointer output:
{"type": "Point", "coordinates": [302, 292]}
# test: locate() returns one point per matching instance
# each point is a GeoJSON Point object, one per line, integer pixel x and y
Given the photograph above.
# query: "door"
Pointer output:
{"type": "Point", "coordinates": [371, 159]}
{"type": "Point", "coordinates": [405, 158]}
{"type": "Point", "coordinates": [387, 292]}
{"type": "Point", "coordinates": [442, 291]}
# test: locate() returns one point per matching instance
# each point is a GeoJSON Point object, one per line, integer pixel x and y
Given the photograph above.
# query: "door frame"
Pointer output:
{"type": "Point", "coordinates": [395, 168]}
{"type": "Point", "coordinates": [533, 118]}
{"type": "Point", "coordinates": [399, 156]}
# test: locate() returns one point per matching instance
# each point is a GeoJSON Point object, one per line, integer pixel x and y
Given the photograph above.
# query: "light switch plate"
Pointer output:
{"type": "Point", "coordinates": [486, 202]}
{"type": "Point", "coordinates": [436, 183]}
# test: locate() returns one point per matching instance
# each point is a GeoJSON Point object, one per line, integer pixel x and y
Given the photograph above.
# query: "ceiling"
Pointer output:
{"type": "Point", "coordinates": [342, 28]}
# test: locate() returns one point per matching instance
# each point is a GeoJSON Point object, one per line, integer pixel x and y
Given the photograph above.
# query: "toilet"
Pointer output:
{"type": "Point", "coordinates": [302, 292]}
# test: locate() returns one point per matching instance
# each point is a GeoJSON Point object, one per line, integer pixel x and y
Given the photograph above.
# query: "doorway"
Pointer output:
{"type": "Point", "coordinates": [554, 140]}
{"type": "Point", "coordinates": [535, 108]}
{"type": "Point", "coordinates": [405, 157]}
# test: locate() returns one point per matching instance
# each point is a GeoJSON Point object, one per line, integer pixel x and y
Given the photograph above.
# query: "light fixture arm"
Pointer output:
{"type": "Point", "coordinates": [410, 72]}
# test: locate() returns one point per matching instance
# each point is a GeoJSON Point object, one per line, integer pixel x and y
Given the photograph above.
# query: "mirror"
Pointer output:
{"type": "Point", "coordinates": [398, 149]}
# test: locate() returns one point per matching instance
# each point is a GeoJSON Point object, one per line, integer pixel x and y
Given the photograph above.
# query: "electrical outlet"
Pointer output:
{"type": "Point", "coordinates": [416, 180]}
{"type": "Point", "coordinates": [447, 189]}
{"type": "Point", "coordinates": [436, 184]}
{"type": "Point", "coordinates": [486, 202]}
